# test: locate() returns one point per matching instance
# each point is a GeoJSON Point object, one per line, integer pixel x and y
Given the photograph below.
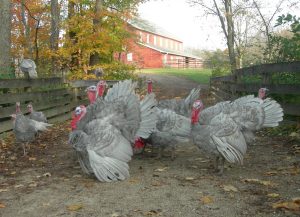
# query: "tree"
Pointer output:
{"type": "Point", "coordinates": [224, 12]}
{"type": "Point", "coordinates": [286, 43]}
{"type": "Point", "coordinates": [5, 36]}
{"type": "Point", "coordinates": [54, 34]}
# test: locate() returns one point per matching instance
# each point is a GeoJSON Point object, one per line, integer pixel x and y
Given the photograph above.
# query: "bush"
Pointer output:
{"type": "Point", "coordinates": [112, 71]}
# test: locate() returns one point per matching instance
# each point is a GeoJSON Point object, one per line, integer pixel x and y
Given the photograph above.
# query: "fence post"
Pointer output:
{"type": "Point", "coordinates": [266, 78]}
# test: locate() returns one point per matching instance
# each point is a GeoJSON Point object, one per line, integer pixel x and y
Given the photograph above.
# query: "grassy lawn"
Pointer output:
{"type": "Point", "coordinates": [199, 75]}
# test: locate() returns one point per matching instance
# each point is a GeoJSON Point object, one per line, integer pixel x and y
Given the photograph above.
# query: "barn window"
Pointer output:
{"type": "Point", "coordinates": [154, 39]}
{"type": "Point", "coordinates": [129, 57]}
{"type": "Point", "coordinates": [141, 37]}
{"type": "Point", "coordinates": [161, 41]}
{"type": "Point", "coordinates": [148, 38]}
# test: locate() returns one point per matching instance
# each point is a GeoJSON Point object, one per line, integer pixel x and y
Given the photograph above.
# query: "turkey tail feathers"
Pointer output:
{"type": "Point", "coordinates": [40, 126]}
{"type": "Point", "coordinates": [194, 95]}
{"type": "Point", "coordinates": [273, 113]}
{"type": "Point", "coordinates": [148, 116]}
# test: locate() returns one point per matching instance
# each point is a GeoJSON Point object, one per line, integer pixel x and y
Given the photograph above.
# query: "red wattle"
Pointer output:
{"type": "Point", "coordinates": [91, 96]}
{"type": "Point", "coordinates": [195, 116]}
{"type": "Point", "coordinates": [149, 88]}
{"type": "Point", "coordinates": [74, 121]}
{"type": "Point", "coordinates": [101, 90]}
{"type": "Point", "coordinates": [138, 143]}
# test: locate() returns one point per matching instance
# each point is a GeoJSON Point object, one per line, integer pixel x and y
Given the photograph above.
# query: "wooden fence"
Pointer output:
{"type": "Point", "coordinates": [54, 96]}
{"type": "Point", "coordinates": [184, 64]}
{"type": "Point", "coordinates": [282, 80]}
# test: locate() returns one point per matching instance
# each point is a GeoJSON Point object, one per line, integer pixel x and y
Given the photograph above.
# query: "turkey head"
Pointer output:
{"type": "Point", "coordinates": [262, 93]}
{"type": "Point", "coordinates": [91, 93]}
{"type": "Point", "coordinates": [197, 108]}
{"type": "Point", "coordinates": [101, 88]}
{"type": "Point", "coordinates": [77, 115]}
{"type": "Point", "coordinates": [149, 86]}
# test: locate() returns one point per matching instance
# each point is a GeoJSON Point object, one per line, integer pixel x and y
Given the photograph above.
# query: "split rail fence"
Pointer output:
{"type": "Point", "coordinates": [56, 97]}
{"type": "Point", "coordinates": [282, 80]}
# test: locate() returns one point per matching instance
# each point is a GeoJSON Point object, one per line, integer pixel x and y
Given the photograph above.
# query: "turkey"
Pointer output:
{"type": "Point", "coordinates": [101, 86]}
{"type": "Point", "coordinates": [180, 106]}
{"type": "Point", "coordinates": [25, 129]}
{"type": "Point", "coordinates": [37, 116]}
{"type": "Point", "coordinates": [228, 107]}
{"type": "Point", "coordinates": [223, 130]}
{"type": "Point", "coordinates": [171, 129]}
{"type": "Point", "coordinates": [91, 93]}
{"type": "Point", "coordinates": [104, 131]}
{"type": "Point", "coordinates": [95, 91]}
{"type": "Point", "coordinates": [28, 67]}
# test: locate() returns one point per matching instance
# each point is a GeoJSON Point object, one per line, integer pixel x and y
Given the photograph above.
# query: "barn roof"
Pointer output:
{"type": "Point", "coordinates": [164, 50]}
{"type": "Point", "coordinates": [147, 26]}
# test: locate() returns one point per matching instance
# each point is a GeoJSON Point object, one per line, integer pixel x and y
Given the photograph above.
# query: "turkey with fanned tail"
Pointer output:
{"type": "Point", "coordinates": [225, 129]}
{"type": "Point", "coordinates": [104, 131]}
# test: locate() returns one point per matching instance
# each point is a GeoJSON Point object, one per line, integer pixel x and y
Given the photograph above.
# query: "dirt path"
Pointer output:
{"type": "Point", "coordinates": [49, 181]}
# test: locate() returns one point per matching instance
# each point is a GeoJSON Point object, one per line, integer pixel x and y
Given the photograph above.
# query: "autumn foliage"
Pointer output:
{"type": "Point", "coordinates": [80, 36]}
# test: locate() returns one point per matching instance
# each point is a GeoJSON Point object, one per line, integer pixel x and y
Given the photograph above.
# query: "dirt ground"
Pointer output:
{"type": "Point", "coordinates": [49, 181]}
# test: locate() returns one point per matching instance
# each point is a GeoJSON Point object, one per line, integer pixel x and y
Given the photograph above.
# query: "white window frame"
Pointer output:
{"type": "Point", "coordinates": [129, 57]}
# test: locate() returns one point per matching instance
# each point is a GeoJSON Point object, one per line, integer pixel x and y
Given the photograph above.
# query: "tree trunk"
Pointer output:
{"type": "Point", "coordinates": [95, 57]}
{"type": "Point", "coordinates": [5, 37]}
{"type": "Point", "coordinates": [230, 36]}
{"type": "Point", "coordinates": [54, 34]}
{"type": "Point", "coordinates": [71, 12]}
{"type": "Point", "coordinates": [28, 44]}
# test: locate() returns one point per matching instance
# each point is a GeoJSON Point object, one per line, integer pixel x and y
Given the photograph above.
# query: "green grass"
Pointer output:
{"type": "Point", "coordinates": [199, 75]}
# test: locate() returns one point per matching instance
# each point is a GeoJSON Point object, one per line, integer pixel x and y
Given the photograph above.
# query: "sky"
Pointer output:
{"type": "Point", "coordinates": [178, 18]}
{"type": "Point", "coordinates": [185, 22]}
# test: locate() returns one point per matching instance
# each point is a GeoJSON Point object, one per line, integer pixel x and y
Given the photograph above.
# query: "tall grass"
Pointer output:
{"type": "Point", "coordinates": [201, 76]}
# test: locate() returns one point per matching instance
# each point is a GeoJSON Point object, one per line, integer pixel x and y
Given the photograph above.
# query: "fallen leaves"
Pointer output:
{"type": "Point", "coordinates": [262, 182]}
{"type": "Point", "coordinates": [161, 169]}
{"type": "Point", "coordinates": [3, 190]}
{"type": "Point", "coordinates": [189, 178]}
{"type": "Point", "coordinates": [74, 207]}
{"type": "Point", "coordinates": [206, 199]}
{"type": "Point", "coordinates": [273, 195]}
{"type": "Point", "coordinates": [292, 205]}
{"type": "Point", "coordinates": [47, 174]}
{"type": "Point", "coordinates": [32, 158]}
{"type": "Point", "coordinates": [2, 205]}
{"type": "Point", "coordinates": [229, 188]}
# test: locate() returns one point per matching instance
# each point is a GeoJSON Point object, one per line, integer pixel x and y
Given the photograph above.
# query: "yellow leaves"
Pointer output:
{"type": "Point", "coordinates": [273, 195]}
{"type": "Point", "coordinates": [207, 199]}
{"type": "Point", "coordinates": [229, 188]}
{"type": "Point", "coordinates": [161, 169]}
{"type": "Point", "coordinates": [189, 178]}
{"type": "Point", "coordinates": [2, 205]}
{"type": "Point", "coordinates": [74, 207]}
{"type": "Point", "coordinates": [262, 182]}
{"type": "Point", "coordinates": [292, 205]}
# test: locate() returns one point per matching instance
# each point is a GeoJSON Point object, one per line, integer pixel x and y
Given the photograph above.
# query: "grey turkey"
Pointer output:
{"type": "Point", "coordinates": [96, 91]}
{"type": "Point", "coordinates": [35, 115]}
{"type": "Point", "coordinates": [25, 129]}
{"type": "Point", "coordinates": [104, 131]}
{"type": "Point", "coordinates": [180, 106]}
{"type": "Point", "coordinates": [223, 130]}
{"type": "Point", "coordinates": [227, 107]}
{"type": "Point", "coordinates": [171, 129]}
{"type": "Point", "coordinates": [28, 67]}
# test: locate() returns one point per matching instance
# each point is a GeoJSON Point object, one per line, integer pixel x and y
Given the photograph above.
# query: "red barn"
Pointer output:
{"type": "Point", "coordinates": [157, 49]}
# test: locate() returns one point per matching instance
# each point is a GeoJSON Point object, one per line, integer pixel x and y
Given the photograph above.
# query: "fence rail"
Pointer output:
{"type": "Point", "coordinates": [232, 86]}
{"type": "Point", "coordinates": [56, 97]}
